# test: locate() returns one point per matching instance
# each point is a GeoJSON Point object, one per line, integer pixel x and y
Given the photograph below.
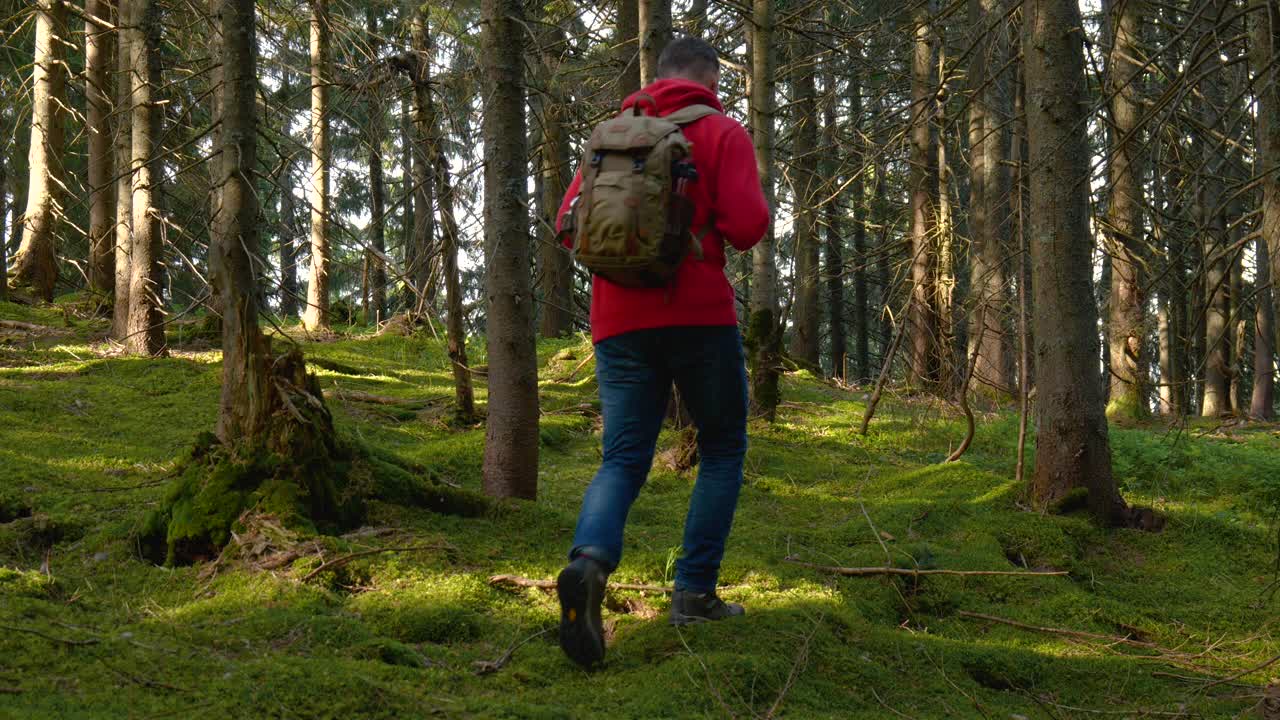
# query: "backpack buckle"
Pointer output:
{"type": "Point", "coordinates": [596, 157]}
{"type": "Point", "coordinates": [637, 164]}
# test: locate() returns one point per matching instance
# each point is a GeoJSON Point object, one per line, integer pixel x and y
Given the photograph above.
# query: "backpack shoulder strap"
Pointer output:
{"type": "Point", "coordinates": [690, 113]}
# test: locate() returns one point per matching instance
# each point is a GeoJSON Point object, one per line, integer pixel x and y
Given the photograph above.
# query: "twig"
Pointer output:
{"type": "Point", "coordinates": [11, 691]}
{"type": "Point", "coordinates": [886, 705]}
{"type": "Point", "coordinates": [524, 582]}
{"type": "Point", "coordinates": [339, 562]}
{"type": "Point", "coordinates": [581, 365]}
{"type": "Point", "coordinates": [1060, 631]}
{"type": "Point", "coordinates": [868, 571]}
{"type": "Point", "coordinates": [888, 557]}
{"type": "Point", "coordinates": [1242, 673]}
{"type": "Point", "coordinates": [486, 667]}
{"type": "Point", "coordinates": [802, 659]}
{"type": "Point", "coordinates": [37, 633]}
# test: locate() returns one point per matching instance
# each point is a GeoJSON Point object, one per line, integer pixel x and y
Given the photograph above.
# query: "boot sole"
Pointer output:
{"type": "Point", "coordinates": [581, 629]}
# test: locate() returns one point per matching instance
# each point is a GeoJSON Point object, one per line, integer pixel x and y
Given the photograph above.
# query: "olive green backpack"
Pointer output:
{"type": "Point", "coordinates": [631, 220]}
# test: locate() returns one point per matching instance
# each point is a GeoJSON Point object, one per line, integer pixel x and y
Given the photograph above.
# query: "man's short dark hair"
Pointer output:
{"type": "Point", "coordinates": [688, 56]}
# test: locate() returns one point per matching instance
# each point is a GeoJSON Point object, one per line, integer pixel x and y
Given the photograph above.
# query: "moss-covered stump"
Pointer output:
{"type": "Point", "coordinates": [298, 470]}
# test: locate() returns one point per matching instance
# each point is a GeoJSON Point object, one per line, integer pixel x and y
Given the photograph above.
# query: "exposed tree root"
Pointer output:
{"type": "Point", "coordinates": [524, 582]}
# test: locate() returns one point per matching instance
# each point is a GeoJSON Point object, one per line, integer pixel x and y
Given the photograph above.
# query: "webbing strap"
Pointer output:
{"type": "Point", "coordinates": [690, 113]}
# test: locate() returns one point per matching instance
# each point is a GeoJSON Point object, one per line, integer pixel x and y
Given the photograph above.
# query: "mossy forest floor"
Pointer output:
{"type": "Point", "coordinates": [90, 630]}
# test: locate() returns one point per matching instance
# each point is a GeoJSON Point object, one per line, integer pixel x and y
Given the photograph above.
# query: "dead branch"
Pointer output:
{"type": "Point", "coordinates": [364, 397]}
{"type": "Point", "coordinates": [884, 377]}
{"type": "Point", "coordinates": [580, 365]}
{"type": "Point", "coordinates": [487, 667]}
{"type": "Point", "coordinates": [802, 659]}
{"type": "Point", "coordinates": [870, 571]}
{"type": "Point", "coordinates": [1242, 673]}
{"type": "Point", "coordinates": [51, 638]}
{"type": "Point", "coordinates": [1114, 639]}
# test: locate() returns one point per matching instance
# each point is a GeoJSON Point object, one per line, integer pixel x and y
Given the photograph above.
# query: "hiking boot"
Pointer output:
{"type": "Point", "coordinates": [581, 591]}
{"type": "Point", "coordinates": [688, 607]}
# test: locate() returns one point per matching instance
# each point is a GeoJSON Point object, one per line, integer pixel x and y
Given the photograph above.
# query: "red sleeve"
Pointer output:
{"type": "Point", "coordinates": [742, 215]}
{"type": "Point", "coordinates": [569, 195]}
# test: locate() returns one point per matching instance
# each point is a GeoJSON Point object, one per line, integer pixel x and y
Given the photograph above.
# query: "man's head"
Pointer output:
{"type": "Point", "coordinates": [691, 59]}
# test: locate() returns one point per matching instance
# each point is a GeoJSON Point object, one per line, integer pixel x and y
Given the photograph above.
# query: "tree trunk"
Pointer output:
{"type": "Point", "coordinates": [832, 219]}
{"type": "Point", "coordinates": [858, 190]}
{"type": "Point", "coordinates": [805, 341]}
{"type": "Point", "coordinates": [407, 217]}
{"type": "Point", "coordinates": [627, 37]}
{"type": "Point", "coordinates": [695, 18]}
{"type": "Point", "coordinates": [554, 262]}
{"type": "Point", "coordinates": [288, 241]}
{"type": "Point", "coordinates": [989, 200]}
{"type": "Point", "coordinates": [98, 65]}
{"type": "Point", "coordinates": [1127, 306]}
{"type": "Point", "coordinates": [1262, 403]}
{"type": "Point", "coordinates": [464, 395]}
{"type": "Point", "coordinates": [36, 263]}
{"type": "Point", "coordinates": [123, 240]}
{"type": "Point", "coordinates": [146, 326]}
{"type": "Point", "coordinates": [511, 437]}
{"type": "Point", "coordinates": [655, 33]}
{"type": "Point", "coordinates": [316, 316]}
{"type": "Point", "coordinates": [922, 317]}
{"type": "Point", "coordinates": [1265, 53]}
{"type": "Point", "coordinates": [4, 229]}
{"type": "Point", "coordinates": [763, 334]}
{"type": "Point", "coordinates": [1211, 223]}
{"type": "Point", "coordinates": [1072, 448]}
{"type": "Point", "coordinates": [376, 132]}
{"type": "Point", "coordinates": [424, 226]}
{"type": "Point", "coordinates": [247, 398]}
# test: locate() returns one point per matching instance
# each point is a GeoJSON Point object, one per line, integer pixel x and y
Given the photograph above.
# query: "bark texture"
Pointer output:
{"type": "Point", "coordinates": [424, 223]}
{"type": "Point", "coordinates": [511, 436]}
{"type": "Point", "coordinates": [35, 265]}
{"type": "Point", "coordinates": [375, 134]}
{"type": "Point", "coordinates": [1211, 222]}
{"type": "Point", "coordinates": [146, 327]}
{"type": "Point", "coordinates": [627, 39]}
{"type": "Point", "coordinates": [316, 316]}
{"type": "Point", "coordinates": [554, 264]}
{"type": "Point", "coordinates": [1072, 447]}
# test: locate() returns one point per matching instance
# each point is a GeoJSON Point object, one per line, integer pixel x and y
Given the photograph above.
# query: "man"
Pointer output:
{"type": "Point", "coordinates": [646, 339]}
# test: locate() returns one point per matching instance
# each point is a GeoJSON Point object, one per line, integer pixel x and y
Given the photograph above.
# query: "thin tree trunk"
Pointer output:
{"type": "Point", "coordinates": [921, 316]}
{"type": "Point", "coordinates": [511, 435]}
{"type": "Point", "coordinates": [123, 240]}
{"type": "Point", "coordinates": [858, 190]}
{"type": "Point", "coordinates": [146, 327]}
{"type": "Point", "coordinates": [98, 66]}
{"type": "Point", "coordinates": [288, 241]}
{"type": "Point", "coordinates": [376, 133]}
{"type": "Point", "coordinates": [247, 392]}
{"type": "Point", "coordinates": [1127, 306]}
{"type": "Point", "coordinates": [36, 265]}
{"type": "Point", "coordinates": [1072, 448]}
{"type": "Point", "coordinates": [408, 219]}
{"type": "Point", "coordinates": [832, 219]}
{"type": "Point", "coordinates": [763, 335]}
{"type": "Point", "coordinates": [1212, 225]}
{"type": "Point", "coordinates": [316, 316]}
{"type": "Point", "coordinates": [464, 395]}
{"type": "Point", "coordinates": [1265, 52]}
{"type": "Point", "coordinates": [554, 262]}
{"type": "Point", "coordinates": [627, 34]}
{"type": "Point", "coordinates": [989, 193]}
{"type": "Point", "coordinates": [655, 33]}
{"type": "Point", "coordinates": [805, 340]}
{"type": "Point", "coordinates": [424, 227]}
{"type": "Point", "coordinates": [1262, 403]}
{"type": "Point", "coordinates": [4, 229]}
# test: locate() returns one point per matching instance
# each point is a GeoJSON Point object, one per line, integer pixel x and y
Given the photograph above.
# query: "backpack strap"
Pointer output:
{"type": "Point", "coordinates": [690, 113]}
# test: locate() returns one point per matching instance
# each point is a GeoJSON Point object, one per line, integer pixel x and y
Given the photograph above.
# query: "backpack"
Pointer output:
{"type": "Point", "coordinates": [630, 223]}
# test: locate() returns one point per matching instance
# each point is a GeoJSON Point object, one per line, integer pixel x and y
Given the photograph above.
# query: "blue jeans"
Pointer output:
{"type": "Point", "coordinates": [635, 372]}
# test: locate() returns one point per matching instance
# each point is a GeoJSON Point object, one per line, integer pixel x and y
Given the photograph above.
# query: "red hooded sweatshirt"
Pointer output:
{"type": "Point", "coordinates": [728, 189]}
